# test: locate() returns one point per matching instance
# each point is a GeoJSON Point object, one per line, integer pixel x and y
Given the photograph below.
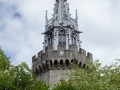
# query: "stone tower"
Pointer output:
{"type": "Point", "coordinates": [61, 46]}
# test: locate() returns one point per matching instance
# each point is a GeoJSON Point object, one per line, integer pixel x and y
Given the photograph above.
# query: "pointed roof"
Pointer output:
{"type": "Point", "coordinates": [61, 17]}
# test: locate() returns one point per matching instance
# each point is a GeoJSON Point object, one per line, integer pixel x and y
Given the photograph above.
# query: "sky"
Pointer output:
{"type": "Point", "coordinates": [23, 21]}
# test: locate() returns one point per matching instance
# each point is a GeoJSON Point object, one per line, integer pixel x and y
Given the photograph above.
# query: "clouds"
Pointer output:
{"type": "Point", "coordinates": [100, 22]}
{"type": "Point", "coordinates": [22, 22]}
{"type": "Point", "coordinates": [18, 32]}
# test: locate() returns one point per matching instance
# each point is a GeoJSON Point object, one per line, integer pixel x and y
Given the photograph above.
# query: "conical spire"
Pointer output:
{"type": "Point", "coordinates": [61, 9]}
{"type": "Point", "coordinates": [61, 28]}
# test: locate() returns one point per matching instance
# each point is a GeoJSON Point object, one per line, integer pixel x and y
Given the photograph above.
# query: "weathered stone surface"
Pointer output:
{"type": "Point", "coordinates": [51, 65]}
{"type": "Point", "coordinates": [61, 46]}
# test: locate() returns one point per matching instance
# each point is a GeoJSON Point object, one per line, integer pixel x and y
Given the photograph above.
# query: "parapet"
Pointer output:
{"type": "Point", "coordinates": [34, 58]}
{"type": "Point", "coordinates": [82, 51]}
{"type": "Point", "coordinates": [89, 55]}
{"type": "Point", "coordinates": [40, 54]}
{"type": "Point", "coordinates": [55, 59]}
{"type": "Point", "coordinates": [57, 65]}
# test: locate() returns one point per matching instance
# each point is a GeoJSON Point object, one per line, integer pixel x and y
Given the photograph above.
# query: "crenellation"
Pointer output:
{"type": "Point", "coordinates": [84, 52]}
{"type": "Point", "coordinates": [36, 56]}
{"type": "Point", "coordinates": [89, 55]}
{"type": "Point", "coordinates": [41, 58]}
{"type": "Point", "coordinates": [39, 54]}
{"type": "Point", "coordinates": [33, 59]}
{"type": "Point", "coordinates": [80, 51]}
{"type": "Point", "coordinates": [57, 64]}
{"type": "Point", "coordinates": [61, 46]}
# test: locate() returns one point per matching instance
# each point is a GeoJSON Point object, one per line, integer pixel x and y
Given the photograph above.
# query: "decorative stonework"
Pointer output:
{"type": "Point", "coordinates": [61, 46]}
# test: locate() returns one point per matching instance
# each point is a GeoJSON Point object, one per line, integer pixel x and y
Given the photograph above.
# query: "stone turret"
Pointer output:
{"type": "Point", "coordinates": [61, 46]}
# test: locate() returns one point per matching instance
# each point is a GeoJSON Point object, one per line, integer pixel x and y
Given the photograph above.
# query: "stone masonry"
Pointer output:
{"type": "Point", "coordinates": [61, 46]}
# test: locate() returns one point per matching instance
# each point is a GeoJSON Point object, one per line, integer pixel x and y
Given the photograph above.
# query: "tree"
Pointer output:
{"type": "Point", "coordinates": [63, 85]}
{"type": "Point", "coordinates": [4, 61]}
{"type": "Point", "coordinates": [18, 77]}
{"type": "Point", "coordinates": [5, 77]}
{"type": "Point", "coordinates": [95, 77]}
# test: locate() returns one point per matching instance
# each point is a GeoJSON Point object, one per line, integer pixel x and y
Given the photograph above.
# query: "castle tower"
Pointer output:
{"type": "Point", "coordinates": [61, 46]}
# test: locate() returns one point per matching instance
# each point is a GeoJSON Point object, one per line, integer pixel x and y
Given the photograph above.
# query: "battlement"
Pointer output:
{"type": "Point", "coordinates": [59, 59]}
{"type": "Point", "coordinates": [83, 52]}
{"type": "Point", "coordinates": [60, 46]}
{"type": "Point", "coordinates": [56, 65]}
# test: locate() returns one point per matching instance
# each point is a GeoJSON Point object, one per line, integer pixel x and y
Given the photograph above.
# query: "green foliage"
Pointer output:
{"type": "Point", "coordinates": [18, 77]}
{"type": "Point", "coordinates": [38, 85]}
{"type": "Point", "coordinates": [95, 77]}
{"type": "Point", "coordinates": [4, 61]}
{"type": "Point", "coordinates": [63, 85]}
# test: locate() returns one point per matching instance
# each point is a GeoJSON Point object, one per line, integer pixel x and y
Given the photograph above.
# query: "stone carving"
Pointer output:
{"type": "Point", "coordinates": [61, 46]}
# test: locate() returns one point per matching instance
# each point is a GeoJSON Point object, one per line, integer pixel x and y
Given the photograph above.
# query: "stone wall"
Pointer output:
{"type": "Point", "coordinates": [49, 66]}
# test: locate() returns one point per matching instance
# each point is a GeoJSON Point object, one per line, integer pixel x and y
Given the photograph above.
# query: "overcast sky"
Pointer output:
{"type": "Point", "coordinates": [23, 21]}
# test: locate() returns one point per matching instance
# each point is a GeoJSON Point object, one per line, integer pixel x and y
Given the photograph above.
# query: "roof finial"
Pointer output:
{"type": "Point", "coordinates": [46, 18]}
{"type": "Point", "coordinates": [76, 14]}
{"type": "Point", "coordinates": [76, 17]}
{"type": "Point", "coordinates": [46, 15]}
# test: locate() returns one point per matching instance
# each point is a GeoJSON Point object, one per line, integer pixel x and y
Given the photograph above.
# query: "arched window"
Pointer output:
{"type": "Point", "coordinates": [84, 65]}
{"type": "Point", "coordinates": [46, 65]}
{"type": "Point", "coordinates": [76, 62]}
{"type": "Point", "coordinates": [51, 40]}
{"type": "Point", "coordinates": [67, 63]}
{"type": "Point", "coordinates": [60, 39]}
{"type": "Point", "coordinates": [55, 64]}
{"type": "Point", "coordinates": [80, 64]}
{"type": "Point", "coordinates": [40, 70]}
{"type": "Point", "coordinates": [51, 65]}
{"type": "Point", "coordinates": [74, 40]}
{"type": "Point", "coordinates": [36, 70]}
{"type": "Point", "coordinates": [44, 69]}
{"type": "Point", "coordinates": [72, 61]}
{"type": "Point", "coordinates": [61, 63]}
{"type": "Point", "coordinates": [64, 39]}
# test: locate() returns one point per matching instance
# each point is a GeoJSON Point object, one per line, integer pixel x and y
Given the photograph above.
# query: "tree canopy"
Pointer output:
{"type": "Point", "coordinates": [18, 77]}
{"type": "Point", "coordinates": [94, 77]}
{"type": "Point", "coordinates": [4, 61]}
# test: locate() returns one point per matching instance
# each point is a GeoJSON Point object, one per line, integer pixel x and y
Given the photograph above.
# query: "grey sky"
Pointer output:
{"type": "Point", "coordinates": [22, 22]}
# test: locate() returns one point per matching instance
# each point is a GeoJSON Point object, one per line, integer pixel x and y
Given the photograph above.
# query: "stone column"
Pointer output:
{"type": "Point", "coordinates": [70, 39]}
{"type": "Point", "coordinates": [67, 41]}
{"type": "Point", "coordinates": [55, 41]}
